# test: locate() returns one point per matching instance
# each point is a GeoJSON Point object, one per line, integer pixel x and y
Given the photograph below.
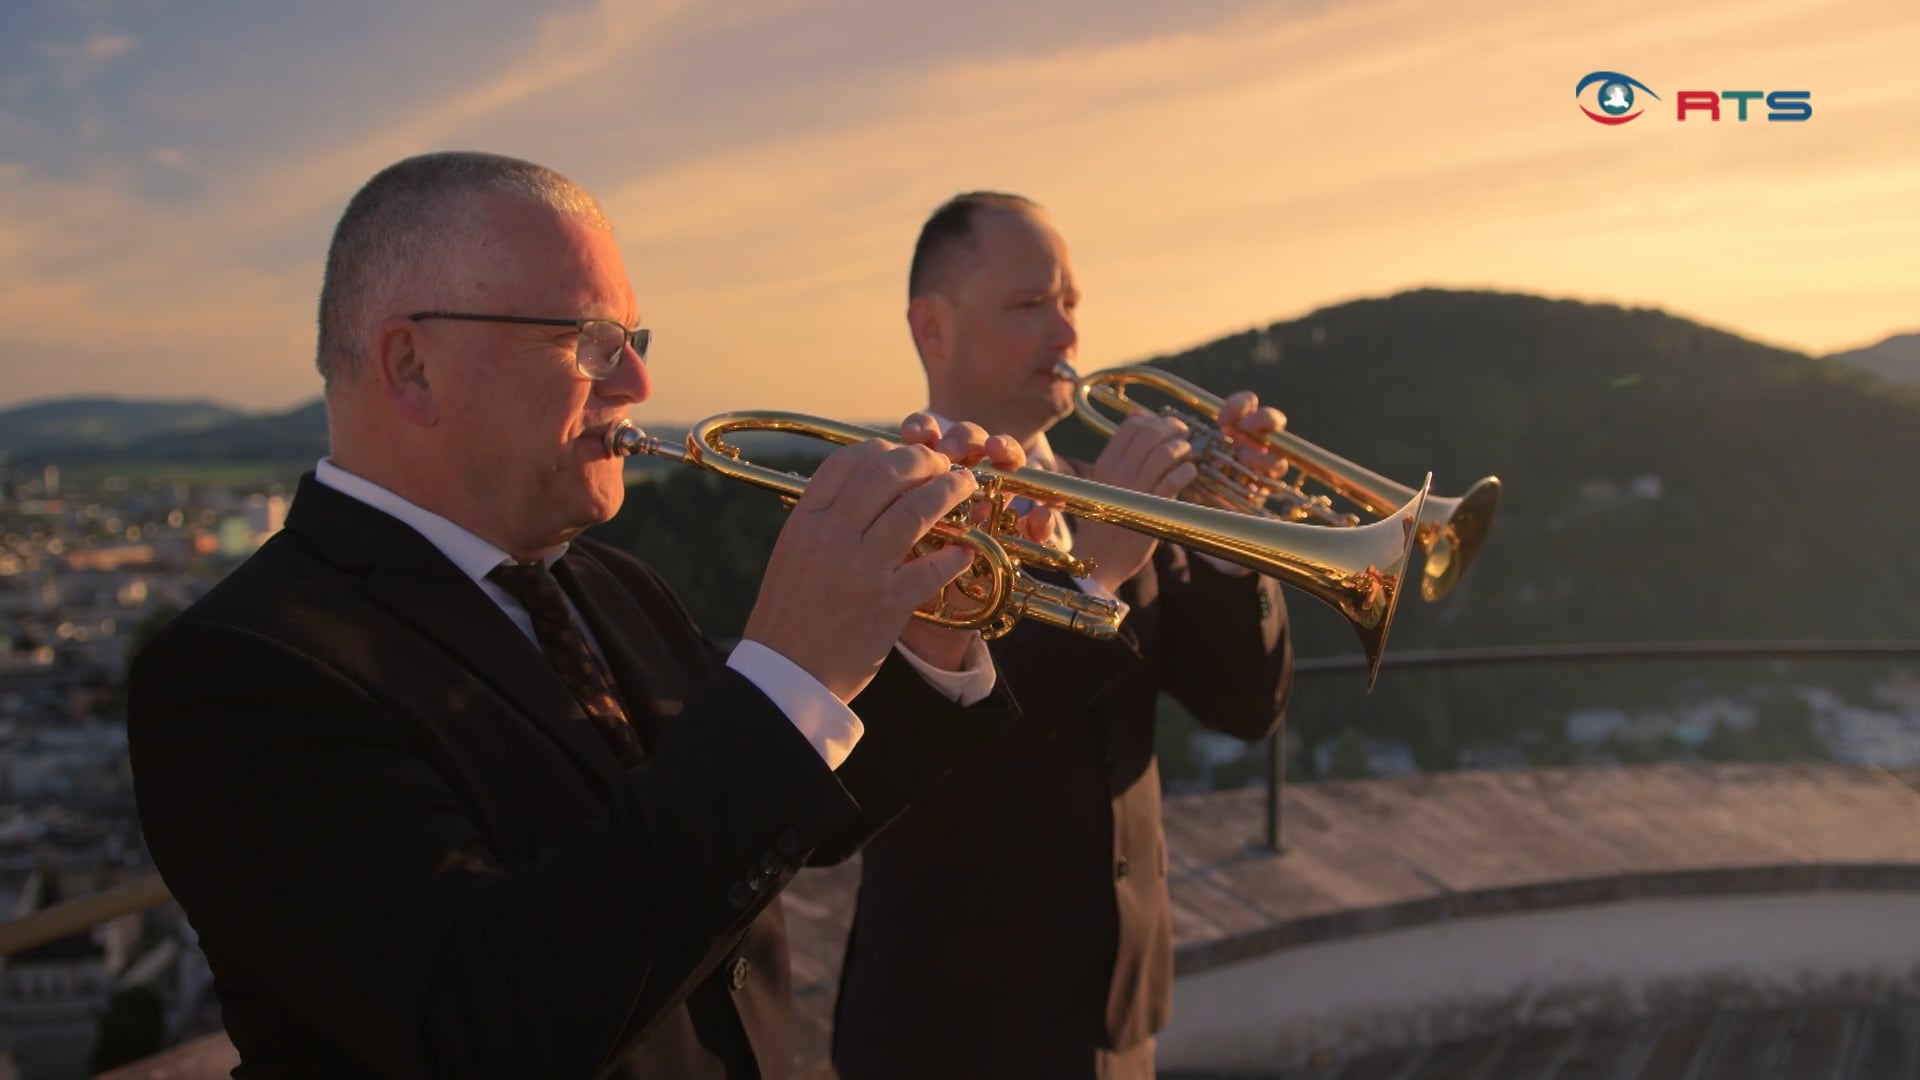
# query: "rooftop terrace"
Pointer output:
{"type": "Point", "coordinates": [1376, 864]}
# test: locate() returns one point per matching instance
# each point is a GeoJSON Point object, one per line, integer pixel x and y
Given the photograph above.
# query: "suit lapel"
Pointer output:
{"type": "Point", "coordinates": [409, 577]}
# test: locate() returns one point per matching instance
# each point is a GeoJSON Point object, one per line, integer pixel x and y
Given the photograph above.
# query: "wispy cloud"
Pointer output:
{"type": "Point", "coordinates": [566, 49]}
{"type": "Point", "coordinates": [171, 157]}
{"type": "Point", "coordinates": [111, 286]}
{"type": "Point", "coordinates": [97, 48]}
{"type": "Point", "coordinates": [1214, 180]}
{"type": "Point", "coordinates": [1242, 163]}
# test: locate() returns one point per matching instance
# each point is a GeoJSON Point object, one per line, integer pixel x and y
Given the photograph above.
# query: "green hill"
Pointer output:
{"type": "Point", "coordinates": [298, 434]}
{"type": "Point", "coordinates": [281, 444]}
{"type": "Point", "coordinates": [1770, 517]}
{"type": "Point", "coordinates": [1663, 480]}
{"type": "Point", "coordinates": [101, 422]}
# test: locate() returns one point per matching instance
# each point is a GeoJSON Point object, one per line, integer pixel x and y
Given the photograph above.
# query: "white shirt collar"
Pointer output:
{"type": "Point", "coordinates": [475, 557]}
{"type": "Point", "coordinates": [1040, 454]}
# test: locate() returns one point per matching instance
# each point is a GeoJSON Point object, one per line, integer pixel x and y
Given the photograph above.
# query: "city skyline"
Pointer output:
{"type": "Point", "coordinates": [168, 178]}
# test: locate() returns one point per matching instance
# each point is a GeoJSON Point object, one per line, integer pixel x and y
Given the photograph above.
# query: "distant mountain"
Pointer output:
{"type": "Point", "coordinates": [1897, 358]}
{"type": "Point", "coordinates": [295, 434]}
{"type": "Point", "coordinates": [300, 435]}
{"type": "Point", "coordinates": [300, 432]}
{"type": "Point", "coordinates": [102, 422]}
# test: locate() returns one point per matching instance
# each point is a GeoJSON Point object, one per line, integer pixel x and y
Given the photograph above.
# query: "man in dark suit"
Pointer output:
{"type": "Point", "coordinates": [1015, 923]}
{"type": "Point", "coordinates": [449, 791]}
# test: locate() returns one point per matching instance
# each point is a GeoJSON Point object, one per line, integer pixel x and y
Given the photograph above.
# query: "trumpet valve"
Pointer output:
{"type": "Point", "coordinates": [1066, 609]}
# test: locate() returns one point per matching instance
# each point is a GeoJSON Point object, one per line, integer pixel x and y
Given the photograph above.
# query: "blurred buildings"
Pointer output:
{"type": "Point", "coordinates": [87, 572]}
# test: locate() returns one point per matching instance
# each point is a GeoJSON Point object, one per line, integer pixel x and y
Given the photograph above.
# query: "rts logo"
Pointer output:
{"type": "Point", "coordinates": [1615, 98]}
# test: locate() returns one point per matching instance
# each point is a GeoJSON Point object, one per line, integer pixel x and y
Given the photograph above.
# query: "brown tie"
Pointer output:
{"type": "Point", "coordinates": [571, 657]}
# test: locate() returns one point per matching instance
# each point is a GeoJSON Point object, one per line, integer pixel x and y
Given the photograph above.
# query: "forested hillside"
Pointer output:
{"type": "Point", "coordinates": [1663, 480]}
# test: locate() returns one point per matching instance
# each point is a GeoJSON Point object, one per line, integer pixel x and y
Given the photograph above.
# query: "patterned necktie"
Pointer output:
{"type": "Point", "coordinates": [568, 652]}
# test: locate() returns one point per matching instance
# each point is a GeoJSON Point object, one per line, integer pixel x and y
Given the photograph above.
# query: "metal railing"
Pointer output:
{"type": "Point", "coordinates": [73, 916]}
{"type": "Point", "coordinates": [1586, 652]}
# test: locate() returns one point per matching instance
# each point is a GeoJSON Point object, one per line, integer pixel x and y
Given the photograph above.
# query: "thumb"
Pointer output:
{"type": "Point", "coordinates": [1039, 525]}
{"type": "Point", "coordinates": [1177, 481]}
{"type": "Point", "coordinates": [920, 579]}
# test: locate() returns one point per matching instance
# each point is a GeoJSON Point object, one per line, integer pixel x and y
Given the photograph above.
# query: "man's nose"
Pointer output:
{"type": "Point", "coordinates": [1065, 334]}
{"type": "Point", "coordinates": [630, 381]}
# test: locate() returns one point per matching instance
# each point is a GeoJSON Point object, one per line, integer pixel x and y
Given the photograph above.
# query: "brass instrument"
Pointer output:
{"type": "Point", "coordinates": [1358, 572]}
{"type": "Point", "coordinates": [1452, 530]}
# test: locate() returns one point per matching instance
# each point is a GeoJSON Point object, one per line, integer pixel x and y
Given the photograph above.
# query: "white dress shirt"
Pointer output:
{"type": "Point", "coordinates": [828, 724]}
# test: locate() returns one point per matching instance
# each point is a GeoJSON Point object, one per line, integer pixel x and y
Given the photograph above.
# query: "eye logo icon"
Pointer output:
{"type": "Point", "coordinates": [1615, 96]}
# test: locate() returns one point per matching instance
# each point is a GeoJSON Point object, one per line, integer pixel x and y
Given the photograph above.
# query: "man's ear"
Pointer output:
{"type": "Point", "coordinates": [930, 319]}
{"type": "Point", "coordinates": [398, 363]}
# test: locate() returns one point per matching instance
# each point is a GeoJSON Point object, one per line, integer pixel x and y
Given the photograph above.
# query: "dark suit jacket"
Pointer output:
{"type": "Point", "coordinates": [408, 853]}
{"type": "Point", "coordinates": [1016, 921]}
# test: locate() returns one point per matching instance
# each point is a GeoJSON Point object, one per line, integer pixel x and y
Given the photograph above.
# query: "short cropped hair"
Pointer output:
{"type": "Point", "coordinates": [948, 235]}
{"type": "Point", "coordinates": [413, 222]}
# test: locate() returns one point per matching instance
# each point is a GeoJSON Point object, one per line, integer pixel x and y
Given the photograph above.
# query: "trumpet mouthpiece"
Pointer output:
{"type": "Point", "coordinates": [1064, 372]}
{"type": "Point", "coordinates": [623, 439]}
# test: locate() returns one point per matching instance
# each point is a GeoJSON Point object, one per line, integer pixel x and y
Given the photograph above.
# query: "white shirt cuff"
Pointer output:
{"type": "Point", "coordinates": [970, 684]}
{"type": "Point", "coordinates": [825, 720]}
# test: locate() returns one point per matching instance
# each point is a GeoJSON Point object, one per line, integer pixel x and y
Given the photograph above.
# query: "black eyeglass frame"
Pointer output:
{"type": "Point", "coordinates": [639, 338]}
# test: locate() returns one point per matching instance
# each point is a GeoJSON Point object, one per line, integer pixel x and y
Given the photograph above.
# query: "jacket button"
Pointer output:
{"type": "Point", "coordinates": [739, 896]}
{"type": "Point", "coordinates": [1120, 868]}
{"type": "Point", "coordinates": [739, 972]}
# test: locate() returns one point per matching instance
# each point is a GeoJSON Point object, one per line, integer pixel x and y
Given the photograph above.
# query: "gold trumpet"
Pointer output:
{"type": "Point", "coordinates": [1452, 530]}
{"type": "Point", "coordinates": [1358, 572]}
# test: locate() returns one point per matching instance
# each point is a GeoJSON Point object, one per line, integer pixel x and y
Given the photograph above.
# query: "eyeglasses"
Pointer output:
{"type": "Point", "coordinates": [597, 349]}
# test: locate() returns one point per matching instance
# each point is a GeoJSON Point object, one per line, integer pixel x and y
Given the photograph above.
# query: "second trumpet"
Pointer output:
{"type": "Point", "coordinates": [1452, 530]}
{"type": "Point", "coordinates": [1358, 572]}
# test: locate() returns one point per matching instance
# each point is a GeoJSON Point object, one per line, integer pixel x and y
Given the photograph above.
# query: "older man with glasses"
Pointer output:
{"type": "Point", "coordinates": [449, 790]}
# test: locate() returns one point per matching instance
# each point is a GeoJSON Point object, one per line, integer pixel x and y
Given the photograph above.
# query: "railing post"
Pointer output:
{"type": "Point", "coordinates": [1276, 781]}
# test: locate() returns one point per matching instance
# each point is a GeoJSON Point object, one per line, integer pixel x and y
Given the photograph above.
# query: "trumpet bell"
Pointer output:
{"type": "Point", "coordinates": [1453, 534]}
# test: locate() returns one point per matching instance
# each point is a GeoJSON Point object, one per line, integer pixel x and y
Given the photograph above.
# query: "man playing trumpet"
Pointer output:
{"type": "Point", "coordinates": [448, 790]}
{"type": "Point", "coordinates": [1015, 923]}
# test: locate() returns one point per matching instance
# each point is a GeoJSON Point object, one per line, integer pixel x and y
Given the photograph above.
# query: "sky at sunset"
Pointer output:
{"type": "Point", "coordinates": [170, 169]}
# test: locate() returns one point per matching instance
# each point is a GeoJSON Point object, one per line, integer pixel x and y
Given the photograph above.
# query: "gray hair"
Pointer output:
{"type": "Point", "coordinates": [413, 223]}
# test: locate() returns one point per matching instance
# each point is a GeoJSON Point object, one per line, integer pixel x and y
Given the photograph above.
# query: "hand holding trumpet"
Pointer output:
{"type": "Point", "coordinates": [966, 444]}
{"type": "Point", "coordinates": [843, 580]}
{"type": "Point", "coordinates": [1245, 424]}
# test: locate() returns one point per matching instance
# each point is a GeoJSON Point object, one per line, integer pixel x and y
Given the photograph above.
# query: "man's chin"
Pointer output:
{"type": "Point", "coordinates": [605, 497]}
{"type": "Point", "coordinates": [1058, 405]}
{"type": "Point", "coordinates": [590, 493]}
